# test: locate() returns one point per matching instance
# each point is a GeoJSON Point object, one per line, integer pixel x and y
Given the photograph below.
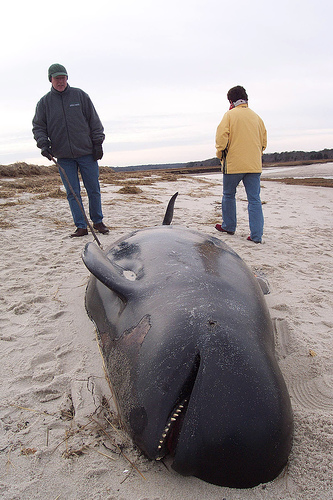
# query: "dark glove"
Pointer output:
{"type": "Point", "coordinates": [47, 153]}
{"type": "Point", "coordinates": [98, 152]}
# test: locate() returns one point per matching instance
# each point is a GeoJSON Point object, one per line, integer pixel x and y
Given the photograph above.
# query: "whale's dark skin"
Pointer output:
{"type": "Point", "coordinates": [189, 349]}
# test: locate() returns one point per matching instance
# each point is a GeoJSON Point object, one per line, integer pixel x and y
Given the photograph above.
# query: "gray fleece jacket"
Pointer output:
{"type": "Point", "coordinates": [68, 122]}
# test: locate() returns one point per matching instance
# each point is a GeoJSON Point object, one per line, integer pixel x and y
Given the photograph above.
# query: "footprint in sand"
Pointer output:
{"type": "Point", "coordinates": [44, 367]}
{"type": "Point", "coordinates": [310, 392]}
{"type": "Point", "coordinates": [315, 393]}
{"type": "Point", "coordinates": [283, 338]}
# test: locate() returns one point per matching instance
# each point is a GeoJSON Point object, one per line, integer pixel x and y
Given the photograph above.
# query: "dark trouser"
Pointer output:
{"type": "Point", "coordinates": [89, 170]}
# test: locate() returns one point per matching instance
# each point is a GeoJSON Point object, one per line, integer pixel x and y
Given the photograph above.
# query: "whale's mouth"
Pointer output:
{"type": "Point", "coordinates": [172, 430]}
{"type": "Point", "coordinates": [170, 435]}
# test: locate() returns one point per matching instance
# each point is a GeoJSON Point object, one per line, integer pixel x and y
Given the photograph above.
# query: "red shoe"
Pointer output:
{"type": "Point", "coordinates": [250, 239]}
{"type": "Point", "coordinates": [220, 228]}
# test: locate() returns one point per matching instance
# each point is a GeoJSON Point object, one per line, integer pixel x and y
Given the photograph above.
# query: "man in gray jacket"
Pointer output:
{"type": "Point", "coordinates": [66, 126]}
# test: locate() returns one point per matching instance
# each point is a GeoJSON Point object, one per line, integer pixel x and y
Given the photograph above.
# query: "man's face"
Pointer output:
{"type": "Point", "coordinates": [59, 83]}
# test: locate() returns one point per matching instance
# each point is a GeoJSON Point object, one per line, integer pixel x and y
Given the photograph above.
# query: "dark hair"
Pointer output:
{"type": "Point", "coordinates": [237, 93]}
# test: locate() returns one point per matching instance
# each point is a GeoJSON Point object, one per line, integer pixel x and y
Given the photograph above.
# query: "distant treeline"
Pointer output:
{"type": "Point", "coordinates": [214, 163]}
{"type": "Point", "coordinates": [286, 156]}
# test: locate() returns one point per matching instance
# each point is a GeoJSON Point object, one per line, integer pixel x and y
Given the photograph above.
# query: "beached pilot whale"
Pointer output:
{"type": "Point", "coordinates": [188, 346]}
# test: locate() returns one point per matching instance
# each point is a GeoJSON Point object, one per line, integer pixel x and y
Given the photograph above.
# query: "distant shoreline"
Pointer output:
{"type": "Point", "coordinates": [22, 168]}
{"type": "Point", "coordinates": [202, 169]}
{"type": "Point", "coordinates": [293, 172]}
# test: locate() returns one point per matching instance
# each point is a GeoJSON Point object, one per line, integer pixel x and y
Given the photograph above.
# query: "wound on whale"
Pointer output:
{"type": "Point", "coordinates": [188, 345]}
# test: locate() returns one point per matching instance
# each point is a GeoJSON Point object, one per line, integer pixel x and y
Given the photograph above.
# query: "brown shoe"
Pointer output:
{"type": "Point", "coordinates": [81, 231]}
{"type": "Point", "coordinates": [101, 227]}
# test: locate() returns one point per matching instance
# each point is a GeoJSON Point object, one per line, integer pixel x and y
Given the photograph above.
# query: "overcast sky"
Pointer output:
{"type": "Point", "coordinates": [158, 72]}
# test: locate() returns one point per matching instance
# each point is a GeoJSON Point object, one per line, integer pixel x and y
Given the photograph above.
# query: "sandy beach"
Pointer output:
{"type": "Point", "coordinates": [59, 437]}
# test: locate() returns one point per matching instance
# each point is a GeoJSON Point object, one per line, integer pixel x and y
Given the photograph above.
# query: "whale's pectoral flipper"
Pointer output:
{"type": "Point", "coordinates": [108, 274]}
{"type": "Point", "coordinates": [263, 282]}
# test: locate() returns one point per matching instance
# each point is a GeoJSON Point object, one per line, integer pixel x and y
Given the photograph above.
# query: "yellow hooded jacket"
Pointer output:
{"type": "Point", "coordinates": [241, 138]}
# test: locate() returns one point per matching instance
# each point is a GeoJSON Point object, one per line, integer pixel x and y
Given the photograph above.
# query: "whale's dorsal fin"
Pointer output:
{"type": "Point", "coordinates": [169, 211]}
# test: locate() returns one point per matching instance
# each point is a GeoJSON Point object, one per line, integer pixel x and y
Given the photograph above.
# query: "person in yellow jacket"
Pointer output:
{"type": "Point", "coordinates": [241, 138]}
